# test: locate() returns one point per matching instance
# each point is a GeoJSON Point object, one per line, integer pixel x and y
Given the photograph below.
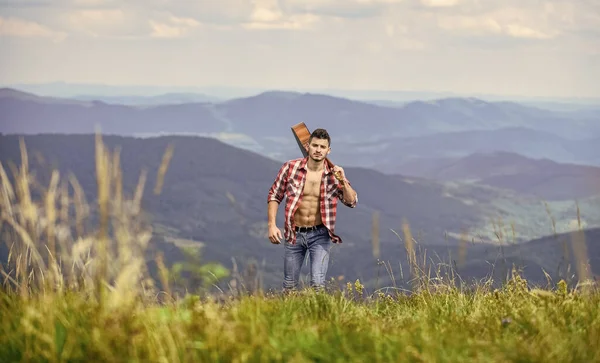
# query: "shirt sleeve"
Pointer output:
{"type": "Point", "coordinates": [277, 189]}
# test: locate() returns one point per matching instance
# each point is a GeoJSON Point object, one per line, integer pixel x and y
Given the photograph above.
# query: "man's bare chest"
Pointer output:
{"type": "Point", "coordinates": [312, 184]}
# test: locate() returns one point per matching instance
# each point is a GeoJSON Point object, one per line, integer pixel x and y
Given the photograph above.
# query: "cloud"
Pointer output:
{"type": "Point", "coordinates": [395, 43]}
{"type": "Point", "coordinates": [267, 14]}
{"type": "Point", "coordinates": [114, 19]}
{"type": "Point", "coordinates": [440, 3]}
{"type": "Point", "coordinates": [58, 4]}
{"type": "Point", "coordinates": [175, 27]}
{"type": "Point", "coordinates": [221, 13]}
{"type": "Point", "coordinates": [424, 20]}
{"type": "Point", "coordinates": [127, 22]}
{"type": "Point", "coordinates": [511, 22]}
{"type": "Point", "coordinates": [296, 22]}
{"type": "Point", "coordinates": [25, 3]}
{"type": "Point", "coordinates": [266, 11]}
{"type": "Point", "coordinates": [519, 31]}
{"type": "Point", "coordinates": [15, 27]}
{"type": "Point", "coordinates": [101, 22]}
{"type": "Point", "coordinates": [91, 2]}
{"type": "Point", "coordinates": [350, 9]}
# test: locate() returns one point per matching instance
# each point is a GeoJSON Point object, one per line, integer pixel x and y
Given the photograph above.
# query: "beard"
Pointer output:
{"type": "Point", "coordinates": [317, 158]}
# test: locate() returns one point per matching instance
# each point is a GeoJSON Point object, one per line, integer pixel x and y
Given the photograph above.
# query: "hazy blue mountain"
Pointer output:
{"type": "Point", "coordinates": [163, 99]}
{"type": "Point", "coordinates": [7, 95]}
{"type": "Point", "coordinates": [271, 114]}
{"type": "Point", "coordinates": [363, 134]}
{"type": "Point", "coordinates": [26, 116]}
{"type": "Point", "coordinates": [68, 89]}
{"type": "Point", "coordinates": [394, 155]}
{"type": "Point", "coordinates": [544, 178]}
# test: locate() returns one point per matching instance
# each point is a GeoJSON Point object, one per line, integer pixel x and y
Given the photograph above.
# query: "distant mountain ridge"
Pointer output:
{"type": "Point", "coordinates": [269, 110]}
{"type": "Point", "coordinates": [363, 134]}
{"type": "Point", "coordinates": [394, 155]}
{"type": "Point", "coordinates": [71, 89]}
{"type": "Point", "coordinates": [14, 94]}
{"type": "Point", "coordinates": [148, 101]}
{"type": "Point", "coordinates": [540, 177]}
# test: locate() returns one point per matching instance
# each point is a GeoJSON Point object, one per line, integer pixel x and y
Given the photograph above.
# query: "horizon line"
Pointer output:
{"type": "Point", "coordinates": [253, 91]}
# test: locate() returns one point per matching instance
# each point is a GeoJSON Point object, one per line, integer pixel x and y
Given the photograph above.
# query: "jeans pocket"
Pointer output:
{"type": "Point", "coordinates": [323, 236]}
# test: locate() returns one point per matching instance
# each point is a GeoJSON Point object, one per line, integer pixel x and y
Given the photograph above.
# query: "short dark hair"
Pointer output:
{"type": "Point", "coordinates": [320, 134]}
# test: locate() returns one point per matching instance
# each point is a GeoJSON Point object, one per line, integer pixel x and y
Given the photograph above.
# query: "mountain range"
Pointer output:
{"type": "Point", "coordinates": [215, 195]}
{"type": "Point", "coordinates": [501, 178]}
{"type": "Point", "coordinates": [99, 90]}
{"type": "Point", "coordinates": [363, 134]}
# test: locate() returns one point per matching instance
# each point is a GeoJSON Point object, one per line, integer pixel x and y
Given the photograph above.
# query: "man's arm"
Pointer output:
{"type": "Point", "coordinates": [272, 212]}
{"type": "Point", "coordinates": [276, 193]}
{"type": "Point", "coordinates": [279, 185]}
{"type": "Point", "coordinates": [345, 193]}
{"type": "Point", "coordinates": [348, 195]}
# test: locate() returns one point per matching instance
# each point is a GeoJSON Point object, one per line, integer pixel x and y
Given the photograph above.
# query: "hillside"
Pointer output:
{"type": "Point", "coordinates": [216, 194]}
{"type": "Point", "coordinates": [558, 255]}
{"type": "Point", "coordinates": [527, 142]}
{"type": "Point", "coordinates": [195, 203]}
{"type": "Point", "coordinates": [543, 178]}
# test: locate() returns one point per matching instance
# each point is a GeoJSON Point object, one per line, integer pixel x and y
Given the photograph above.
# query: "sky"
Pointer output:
{"type": "Point", "coordinates": [507, 47]}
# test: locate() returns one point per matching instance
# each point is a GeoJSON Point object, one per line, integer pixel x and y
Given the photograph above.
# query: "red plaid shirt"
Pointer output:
{"type": "Point", "coordinates": [289, 182]}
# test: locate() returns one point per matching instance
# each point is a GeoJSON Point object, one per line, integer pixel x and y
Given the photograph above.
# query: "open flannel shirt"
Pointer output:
{"type": "Point", "coordinates": [289, 182]}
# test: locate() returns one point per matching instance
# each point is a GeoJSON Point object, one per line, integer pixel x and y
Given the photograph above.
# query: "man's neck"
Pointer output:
{"type": "Point", "coordinates": [315, 165]}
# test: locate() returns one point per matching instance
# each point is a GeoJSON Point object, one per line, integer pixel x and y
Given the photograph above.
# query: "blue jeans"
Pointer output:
{"type": "Point", "coordinates": [318, 245]}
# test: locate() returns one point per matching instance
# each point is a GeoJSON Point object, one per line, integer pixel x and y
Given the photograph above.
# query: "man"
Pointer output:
{"type": "Point", "coordinates": [312, 193]}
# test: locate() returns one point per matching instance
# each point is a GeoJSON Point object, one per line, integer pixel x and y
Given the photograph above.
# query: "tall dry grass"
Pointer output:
{"type": "Point", "coordinates": [61, 243]}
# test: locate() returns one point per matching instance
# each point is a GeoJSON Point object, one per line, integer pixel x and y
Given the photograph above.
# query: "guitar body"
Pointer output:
{"type": "Point", "coordinates": [302, 135]}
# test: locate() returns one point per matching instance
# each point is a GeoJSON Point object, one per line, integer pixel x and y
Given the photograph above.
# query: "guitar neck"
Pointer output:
{"type": "Point", "coordinates": [331, 165]}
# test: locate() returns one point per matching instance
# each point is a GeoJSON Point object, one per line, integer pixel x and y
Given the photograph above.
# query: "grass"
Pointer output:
{"type": "Point", "coordinates": [76, 288]}
{"type": "Point", "coordinates": [512, 324]}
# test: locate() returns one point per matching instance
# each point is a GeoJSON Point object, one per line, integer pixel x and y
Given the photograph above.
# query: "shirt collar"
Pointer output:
{"type": "Point", "coordinates": [305, 161]}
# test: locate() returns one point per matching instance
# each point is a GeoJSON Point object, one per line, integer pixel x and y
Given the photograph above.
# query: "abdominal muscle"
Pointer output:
{"type": "Point", "coordinates": [308, 212]}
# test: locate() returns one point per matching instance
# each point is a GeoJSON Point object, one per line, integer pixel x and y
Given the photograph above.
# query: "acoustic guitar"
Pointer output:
{"type": "Point", "coordinates": [302, 135]}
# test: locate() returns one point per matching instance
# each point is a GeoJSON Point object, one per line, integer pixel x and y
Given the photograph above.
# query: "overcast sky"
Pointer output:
{"type": "Point", "coordinates": [510, 47]}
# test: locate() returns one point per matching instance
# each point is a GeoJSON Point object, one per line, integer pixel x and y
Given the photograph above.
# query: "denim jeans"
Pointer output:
{"type": "Point", "coordinates": [318, 245]}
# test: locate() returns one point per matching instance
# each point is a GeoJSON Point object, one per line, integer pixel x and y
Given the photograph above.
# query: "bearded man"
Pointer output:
{"type": "Point", "coordinates": [312, 191]}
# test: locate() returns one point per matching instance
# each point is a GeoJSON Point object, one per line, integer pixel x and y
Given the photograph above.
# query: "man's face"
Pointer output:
{"type": "Point", "coordinates": [318, 149]}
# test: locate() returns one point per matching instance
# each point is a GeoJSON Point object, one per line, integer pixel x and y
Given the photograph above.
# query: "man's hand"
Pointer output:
{"type": "Point", "coordinates": [275, 235]}
{"type": "Point", "coordinates": [340, 171]}
{"type": "Point", "coordinates": [349, 194]}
